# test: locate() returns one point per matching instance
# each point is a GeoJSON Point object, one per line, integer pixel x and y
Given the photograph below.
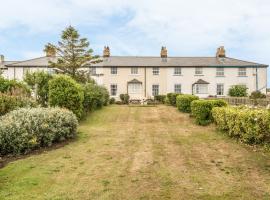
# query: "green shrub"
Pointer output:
{"type": "Point", "coordinates": [26, 129]}
{"type": "Point", "coordinates": [257, 95]}
{"type": "Point", "coordinates": [160, 98]}
{"type": "Point", "coordinates": [183, 102]}
{"type": "Point", "coordinates": [201, 110]}
{"type": "Point", "coordinates": [39, 82]}
{"type": "Point", "coordinates": [9, 103]}
{"type": "Point", "coordinates": [172, 98]}
{"type": "Point", "coordinates": [249, 125]}
{"type": "Point", "coordinates": [112, 100]}
{"type": "Point", "coordinates": [124, 98]}
{"type": "Point", "coordinates": [13, 87]}
{"type": "Point", "coordinates": [238, 91]}
{"type": "Point", "coordinates": [65, 92]}
{"type": "Point", "coordinates": [105, 95]}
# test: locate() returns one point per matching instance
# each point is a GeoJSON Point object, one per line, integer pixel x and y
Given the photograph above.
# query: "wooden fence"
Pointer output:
{"type": "Point", "coordinates": [246, 101]}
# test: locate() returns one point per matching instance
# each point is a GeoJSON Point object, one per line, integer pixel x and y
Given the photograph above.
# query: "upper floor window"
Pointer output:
{"type": "Point", "coordinates": [242, 71]}
{"type": "Point", "coordinates": [198, 71]}
{"type": "Point", "coordinates": [113, 70]}
{"type": "Point", "coordinates": [155, 90]}
{"type": "Point", "coordinates": [177, 71]}
{"type": "Point", "coordinates": [177, 88]}
{"type": "Point", "coordinates": [93, 70]}
{"type": "Point", "coordinates": [220, 71]}
{"type": "Point", "coordinates": [155, 70]}
{"type": "Point", "coordinates": [134, 70]}
{"type": "Point", "coordinates": [113, 89]}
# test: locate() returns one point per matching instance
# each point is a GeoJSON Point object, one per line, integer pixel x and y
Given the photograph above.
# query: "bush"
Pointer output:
{"type": "Point", "coordinates": [124, 98]}
{"type": "Point", "coordinates": [26, 129]}
{"type": "Point", "coordinates": [65, 92]}
{"type": "Point", "coordinates": [238, 91]}
{"type": "Point", "coordinates": [105, 95]}
{"type": "Point", "coordinates": [257, 95]}
{"type": "Point", "coordinates": [39, 82]}
{"type": "Point", "coordinates": [112, 100]}
{"type": "Point", "coordinates": [249, 125]}
{"type": "Point", "coordinates": [183, 102]}
{"type": "Point", "coordinates": [13, 87]}
{"type": "Point", "coordinates": [201, 110]}
{"type": "Point", "coordinates": [171, 98]}
{"type": "Point", "coordinates": [160, 98]}
{"type": "Point", "coordinates": [9, 103]}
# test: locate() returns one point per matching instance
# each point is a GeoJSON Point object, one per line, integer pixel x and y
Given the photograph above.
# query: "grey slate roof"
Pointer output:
{"type": "Point", "coordinates": [5, 63]}
{"type": "Point", "coordinates": [140, 61]}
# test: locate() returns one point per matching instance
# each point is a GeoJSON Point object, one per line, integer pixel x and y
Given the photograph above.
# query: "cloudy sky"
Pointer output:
{"type": "Point", "coordinates": [140, 27]}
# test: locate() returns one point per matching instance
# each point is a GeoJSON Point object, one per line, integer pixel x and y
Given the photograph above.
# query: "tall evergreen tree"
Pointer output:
{"type": "Point", "coordinates": [72, 53]}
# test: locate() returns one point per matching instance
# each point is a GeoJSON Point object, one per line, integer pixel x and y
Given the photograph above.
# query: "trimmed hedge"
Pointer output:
{"type": "Point", "coordinates": [9, 103]}
{"type": "Point", "coordinates": [238, 91]}
{"type": "Point", "coordinates": [26, 129]}
{"type": "Point", "coordinates": [160, 98]}
{"type": "Point", "coordinates": [249, 125]}
{"type": "Point", "coordinates": [201, 110]}
{"type": "Point", "coordinates": [124, 98]}
{"type": "Point", "coordinates": [171, 98]}
{"type": "Point", "coordinates": [66, 92]}
{"type": "Point", "coordinates": [183, 102]}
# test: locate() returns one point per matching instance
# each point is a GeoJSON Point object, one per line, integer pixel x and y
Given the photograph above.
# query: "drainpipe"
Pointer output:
{"type": "Point", "coordinates": [145, 82]}
{"type": "Point", "coordinates": [257, 79]}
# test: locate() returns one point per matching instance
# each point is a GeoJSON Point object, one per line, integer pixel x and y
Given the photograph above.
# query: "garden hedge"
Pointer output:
{"type": "Point", "coordinates": [66, 92]}
{"type": "Point", "coordinates": [160, 98]}
{"type": "Point", "coordinates": [171, 98]}
{"type": "Point", "coordinates": [30, 128]}
{"type": "Point", "coordinates": [249, 125]}
{"type": "Point", "coordinates": [201, 110]}
{"type": "Point", "coordinates": [183, 102]}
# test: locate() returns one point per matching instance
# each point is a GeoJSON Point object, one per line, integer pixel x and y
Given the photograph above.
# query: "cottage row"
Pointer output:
{"type": "Point", "coordinates": [144, 77]}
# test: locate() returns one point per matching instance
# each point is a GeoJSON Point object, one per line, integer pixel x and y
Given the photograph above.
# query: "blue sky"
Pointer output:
{"type": "Point", "coordinates": [140, 27]}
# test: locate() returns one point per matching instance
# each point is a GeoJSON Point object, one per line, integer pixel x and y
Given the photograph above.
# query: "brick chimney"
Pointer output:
{"type": "Point", "coordinates": [164, 52]}
{"type": "Point", "coordinates": [50, 50]}
{"type": "Point", "coordinates": [221, 53]}
{"type": "Point", "coordinates": [106, 52]}
{"type": "Point", "coordinates": [2, 58]}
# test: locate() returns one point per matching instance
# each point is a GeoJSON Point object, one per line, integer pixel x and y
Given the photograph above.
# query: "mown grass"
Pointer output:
{"type": "Point", "coordinates": [131, 153]}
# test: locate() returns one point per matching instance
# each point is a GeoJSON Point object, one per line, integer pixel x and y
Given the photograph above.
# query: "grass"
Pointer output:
{"type": "Point", "coordinates": [141, 153]}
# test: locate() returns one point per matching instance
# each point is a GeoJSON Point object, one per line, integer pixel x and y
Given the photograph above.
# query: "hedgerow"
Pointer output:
{"type": "Point", "coordinates": [171, 98]}
{"type": "Point", "coordinates": [183, 102]}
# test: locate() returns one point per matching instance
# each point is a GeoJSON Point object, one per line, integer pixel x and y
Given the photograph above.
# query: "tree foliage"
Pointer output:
{"type": "Point", "coordinates": [238, 91]}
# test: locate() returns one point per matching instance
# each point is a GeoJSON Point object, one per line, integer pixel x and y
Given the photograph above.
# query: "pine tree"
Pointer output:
{"type": "Point", "coordinates": [72, 53]}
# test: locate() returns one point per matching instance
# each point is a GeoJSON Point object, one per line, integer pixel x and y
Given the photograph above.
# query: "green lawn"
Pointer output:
{"type": "Point", "coordinates": [141, 153]}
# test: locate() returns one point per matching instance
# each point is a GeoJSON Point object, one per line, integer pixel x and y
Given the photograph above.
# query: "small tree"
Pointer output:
{"type": "Point", "coordinates": [72, 53]}
{"type": "Point", "coordinates": [238, 91]}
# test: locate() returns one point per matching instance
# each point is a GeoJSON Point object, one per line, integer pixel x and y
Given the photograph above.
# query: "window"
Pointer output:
{"type": "Point", "coordinates": [113, 89]}
{"type": "Point", "coordinates": [134, 88]}
{"type": "Point", "coordinates": [201, 88]}
{"type": "Point", "coordinates": [220, 89]}
{"type": "Point", "coordinates": [242, 71]}
{"type": "Point", "coordinates": [177, 71]}
{"type": "Point", "coordinates": [198, 71]}
{"type": "Point", "coordinates": [93, 70]}
{"type": "Point", "coordinates": [155, 90]}
{"type": "Point", "coordinates": [220, 72]}
{"type": "Point", "coordinates": [50, 71]}
{"type": "Point", "coordinates": [113, 70]}
{"type": "Point", "coordinates": [134, 70]}
{"type": "Point", "coordinates": [177, 88]}
{"type": "Point", "coordinates": [155, 71]}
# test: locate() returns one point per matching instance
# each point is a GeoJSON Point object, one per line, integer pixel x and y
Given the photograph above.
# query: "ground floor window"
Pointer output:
{"type": "Point", "coordinates": [201, 88]}
{"type": "Point", "coordinates": [134, 88]}
{"type": "Point", "coordinates": [113, 89]}
{"type": "Point", "coordinates": [220, 89]}
{"type": "Point", "coordinates": [177, 88]}
{"type": "Point", "coordinates": [155, 90]}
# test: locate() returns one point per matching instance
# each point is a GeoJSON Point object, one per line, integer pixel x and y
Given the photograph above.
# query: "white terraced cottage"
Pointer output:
{"type": "Point", "coordinates": [144, 77]}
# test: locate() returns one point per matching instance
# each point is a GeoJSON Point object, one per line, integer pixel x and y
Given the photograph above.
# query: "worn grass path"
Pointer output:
{"type": "Point", "coordinates": [141, 153]}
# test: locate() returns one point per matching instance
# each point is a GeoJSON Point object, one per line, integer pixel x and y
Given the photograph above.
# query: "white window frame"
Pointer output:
{"type": "Point", "coordinates": [220, 89]}
{"type": "Point", "coordinates": [201, 88]}
{"type": "Point", "coordinates": [155, 89]}
{"type": "Point", "coordinates": [155, 71]}
{"type": "Point", "coordinates": [134, 88]}
{"type": "Point", "coordinates": [199, 71]}
{"type": "Point", "coordinates": [178, 88]}
{"type": "Point", "coordinates": [114, 70]}
{"type": "Point", "coordinates": [177, 71]}
{"type": "Point", "coordinates": [220, 71]}
{"type": "Point", "coordinates": [134, 70]}
{"type": "Point", "coordinates": [242, 71]}
{"type": "Point", "coordinates": [113, 89]}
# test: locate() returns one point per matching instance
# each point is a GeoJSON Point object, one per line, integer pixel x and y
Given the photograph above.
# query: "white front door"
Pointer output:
{"type": "Point", "coordinates": [135, 90]}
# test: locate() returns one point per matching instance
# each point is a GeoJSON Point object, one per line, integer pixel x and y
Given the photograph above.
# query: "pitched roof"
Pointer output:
{"type": "Point", "coordinates": [140, 61]}
{"type": "Point", "coordinates": [129, 61]}
{"type": "Point", "coordinates": [200, 81]}
{"type": "Point", "coordinates": [5, 63]}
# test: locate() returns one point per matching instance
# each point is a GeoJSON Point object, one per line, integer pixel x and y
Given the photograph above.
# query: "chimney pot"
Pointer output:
{"type": "Point", "coordinates": [221, 53]}
{"type": "Point", "coordinates": [164, 52]}
{"type": "Point", "coordinates": [106, 51]}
